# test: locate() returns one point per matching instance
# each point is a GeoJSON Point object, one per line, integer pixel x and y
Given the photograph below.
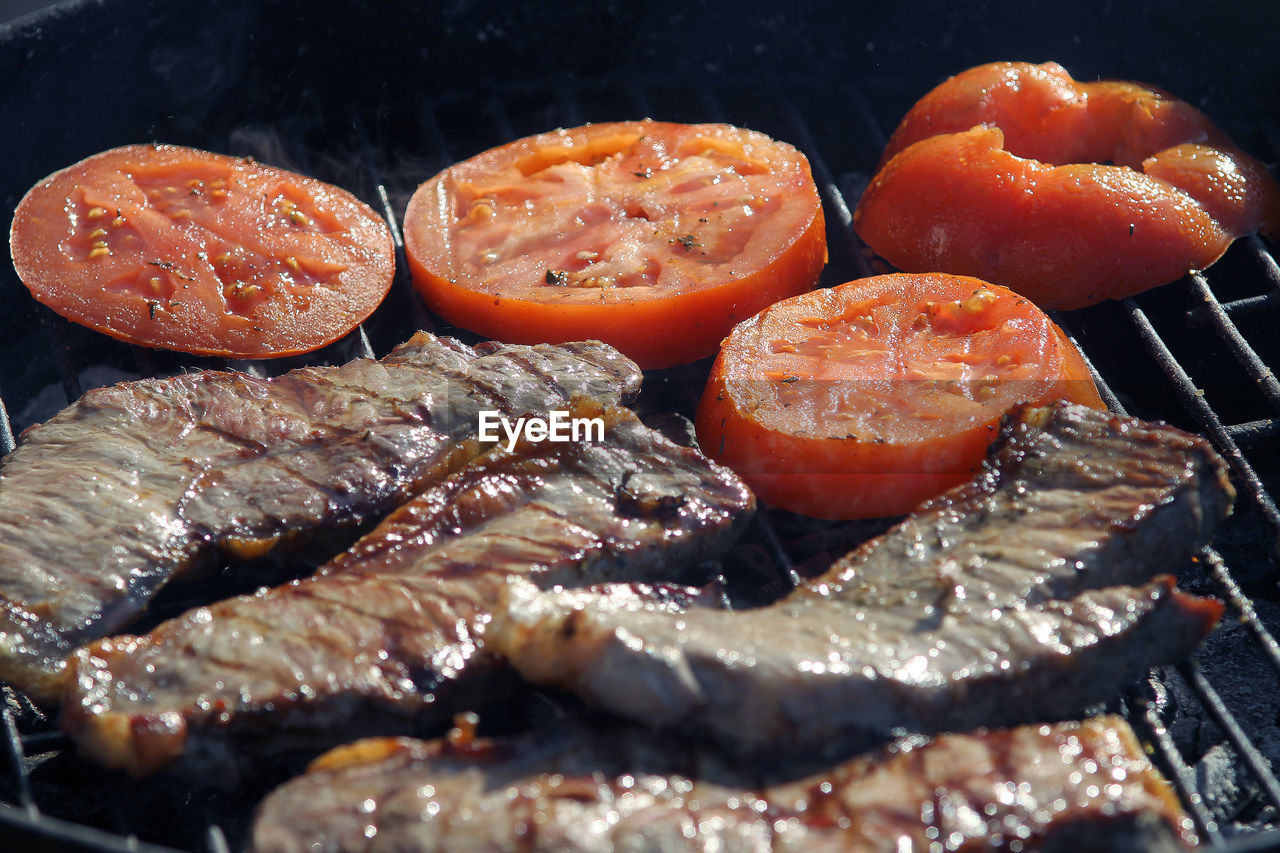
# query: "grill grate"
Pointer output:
{"type": "Point", "coordinates": [1183, 354]}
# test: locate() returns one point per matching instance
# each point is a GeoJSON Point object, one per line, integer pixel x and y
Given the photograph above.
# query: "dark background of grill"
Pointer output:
{"type": "Point", "coordinates": [377, 99]}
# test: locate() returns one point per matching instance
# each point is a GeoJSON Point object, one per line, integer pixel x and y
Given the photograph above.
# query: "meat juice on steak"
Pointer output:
{"type": "Point", "coordinates": [392, 636]}
{"type": "Point", "coordinates": [1004, 601]}
{"type": "Point", "coordinates": [137, 483]}
{"type": "Point", "coordinates": [1069, 786]}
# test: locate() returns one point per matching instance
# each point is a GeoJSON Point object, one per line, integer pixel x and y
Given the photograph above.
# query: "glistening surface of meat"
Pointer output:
{"type": "Point", "coordinates": [136, 483]}
{"type": "Point", "coordinates": [1004, 601]}
{"type": "Point", "coordinates": [1071, 786]}
{"type": "Point", "coordinates": [390, 637]}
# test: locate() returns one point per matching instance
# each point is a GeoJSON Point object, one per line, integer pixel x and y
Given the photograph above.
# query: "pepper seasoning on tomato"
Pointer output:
{"type": "Point", "coordinates": [654, 237]}
{"type": "Point", "coordinates": [204, 253]}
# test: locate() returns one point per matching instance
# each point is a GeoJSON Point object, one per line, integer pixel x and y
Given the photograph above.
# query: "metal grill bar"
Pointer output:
{"type": "Point", "coordinates": [16, 761]}
{"type": "Point", "coordinates": [215, 841]}
{"type": "Point", "coordinates": [1193, 400]}
{"type": "Point", "coordinates": [1258, 766]}
{"type": "Point", "coordinates": [378, 179]}
{"type": "Point", "coordinates": [1178, 770]}
{"type": "Point", "coordinates": [1265, 260]}
{"type": "Point", "coordinates": [1235, 597]}
{"type": "Point", "coordinates": [1105, 391]}
{"type": "Point", "coordinates": [1230, 334]}
{"type": "Point", "coordinates": [1248, 305]}
{"type": "Point", "coordinates": [1253, 432]}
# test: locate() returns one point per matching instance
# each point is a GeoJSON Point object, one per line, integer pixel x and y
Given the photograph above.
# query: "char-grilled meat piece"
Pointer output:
{"type": "Point", "coordinates": [136, 483]}
{"type": "Point", "coordinates": [1070, 786]}
{"type": "Point", "coordinates": [1024, 595]}
{"type": "Point", "coordinates": [391, 636]}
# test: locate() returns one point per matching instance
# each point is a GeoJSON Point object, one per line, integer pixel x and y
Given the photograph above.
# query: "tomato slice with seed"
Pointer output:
{"type": "Point", "coordinates": [868, 398]}
{"type": "Point", "coordinates": [650, 236]}
{"type": "Point", "coordinates": [204, 253]}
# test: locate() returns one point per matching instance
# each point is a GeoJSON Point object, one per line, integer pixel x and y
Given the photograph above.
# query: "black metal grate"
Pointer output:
{"type": "Point", "coordinates": [1194, 353]}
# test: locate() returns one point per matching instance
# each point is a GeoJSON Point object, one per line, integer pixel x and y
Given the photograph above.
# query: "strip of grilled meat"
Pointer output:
{"type": "Point", "coordinates": [1002, 602]}
{"type": "Point", "coordinates": [1070, 786]}
{"type": "Point", "coordinates": [391, 636]}
{"type": "Point", "coordinates": [136, 483]}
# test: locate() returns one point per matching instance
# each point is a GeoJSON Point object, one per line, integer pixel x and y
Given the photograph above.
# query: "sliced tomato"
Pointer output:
{"type": "Point", "coordinates": [656, 238]}
{"type": "Point", "coordinates": [868, 398]}
{"type": "Point", "coordinates": [203, 253]}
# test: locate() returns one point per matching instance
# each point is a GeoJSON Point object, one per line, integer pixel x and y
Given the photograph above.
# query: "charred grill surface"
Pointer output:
{"type": "Point", "coordinates": [391, 636]}
{"type": "Point", "coordinates": [1071, 786]}
{"type": "Point", "coordinates": [137, 483]}
{"type": "Point", "coordinates": [1004, 601]}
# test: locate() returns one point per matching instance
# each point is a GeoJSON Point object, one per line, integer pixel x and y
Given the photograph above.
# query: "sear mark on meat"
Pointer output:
{"type": "Point", "coordinates": [392, 636]}
{"type": "Point", "coordinates": [1028, 594]}
{"type": "Point", "coordinates": [1070, 786]}
{"type": "Point", "coordinates": [137, 483]}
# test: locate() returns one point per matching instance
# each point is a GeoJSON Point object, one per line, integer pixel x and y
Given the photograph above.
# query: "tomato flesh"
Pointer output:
{"type": "Point", "coordinates": [870, 397]}
{"type": "Point", "coordinates": [653, 237]}
{"type": "Point", "coordinates": [204, 253]}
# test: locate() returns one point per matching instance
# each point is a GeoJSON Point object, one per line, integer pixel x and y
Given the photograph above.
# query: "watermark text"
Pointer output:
{"type": "Point", "coordinates": [557, 426]}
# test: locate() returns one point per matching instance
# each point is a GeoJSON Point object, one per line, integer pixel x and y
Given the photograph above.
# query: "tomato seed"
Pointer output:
{"type": "Point", "coordinates": [978, 301]}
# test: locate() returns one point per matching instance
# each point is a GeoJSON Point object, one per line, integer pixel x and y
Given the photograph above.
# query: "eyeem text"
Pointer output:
{"type": "Point", "coordinates": [556, 426]}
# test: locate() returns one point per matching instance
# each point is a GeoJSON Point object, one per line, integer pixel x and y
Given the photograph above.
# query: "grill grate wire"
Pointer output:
{"type": "Point", "coordinates": [772, 99]}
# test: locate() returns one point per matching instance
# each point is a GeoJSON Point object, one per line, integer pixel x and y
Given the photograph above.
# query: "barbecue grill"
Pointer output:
{"type": "Point", "coordinates": [378, 100]}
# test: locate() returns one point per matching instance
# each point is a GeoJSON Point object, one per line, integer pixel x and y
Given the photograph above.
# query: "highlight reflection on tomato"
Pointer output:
{"type": "Point", "coordinates": [654, 237]}
{"type": "Point", "coordinates": [1067, 192]}
{"type": "Point", "coordinates": [204, 253]}
{"type": "Point", "coordinates": [870, 397]}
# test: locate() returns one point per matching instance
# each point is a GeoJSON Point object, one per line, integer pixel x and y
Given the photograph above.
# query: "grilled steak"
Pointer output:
{"type": "Point", "coordinates": [392, 634]}
{"type": "Point", "coordinates": [139, 482]}
{"type": "Point", "coordinates": [1072, 786]}
{"type": "Point", "coordinates": [1001, 602]}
